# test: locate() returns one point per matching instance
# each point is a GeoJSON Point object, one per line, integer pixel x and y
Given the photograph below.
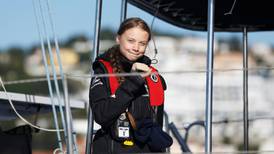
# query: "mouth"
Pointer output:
{"type": "Point", "coordinates": [133, 54]}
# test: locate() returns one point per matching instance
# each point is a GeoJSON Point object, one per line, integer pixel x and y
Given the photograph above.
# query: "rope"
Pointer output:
{"type": "Point", "coordinates": [59, 151]}
{"type": "Point", "coordinates": [226, 121]}
{"type": "Point", "coordinates": [21, 117]}
{"type": "Point", "coordinates": [27, 81]}
{"type": "Point", "coordinates": [134, 74]}
{"type": "Point", "coordinates": [240, 120]}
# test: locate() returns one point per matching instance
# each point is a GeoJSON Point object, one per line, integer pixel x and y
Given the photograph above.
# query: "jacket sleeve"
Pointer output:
{"type": "Point", "coordinates": [160, 110]}
{"type": "Point", "coordinates": [163, 82]}
{"type": "Point", "coordinates": [106, 109]}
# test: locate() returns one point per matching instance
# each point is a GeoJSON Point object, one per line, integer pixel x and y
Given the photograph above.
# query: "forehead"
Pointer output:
{"type": "Point", "coordinates": [137, 33]}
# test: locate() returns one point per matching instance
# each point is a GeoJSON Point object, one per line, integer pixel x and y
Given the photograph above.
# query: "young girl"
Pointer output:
{"type": "Point", "coordinates": [122, 105]}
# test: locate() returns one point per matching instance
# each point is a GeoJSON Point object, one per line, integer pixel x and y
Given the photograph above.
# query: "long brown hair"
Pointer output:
{"type": "Point", "coordinates": [115, 54]}
{"type": "Point", "coordinates": [131, 23]}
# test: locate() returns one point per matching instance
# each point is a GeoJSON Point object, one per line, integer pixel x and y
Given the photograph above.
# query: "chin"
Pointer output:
{"type": "Point", "coordinates": [130, 58]}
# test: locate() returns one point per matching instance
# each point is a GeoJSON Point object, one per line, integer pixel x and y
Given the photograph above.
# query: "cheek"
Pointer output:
{"type": "Point", "coordinates": [143, 50]}
{"type": "Point", "coordinates": [125, 45]}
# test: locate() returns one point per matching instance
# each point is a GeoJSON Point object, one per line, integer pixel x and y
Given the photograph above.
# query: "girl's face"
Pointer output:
{"type": "Point", "coordinates": [133, 43]}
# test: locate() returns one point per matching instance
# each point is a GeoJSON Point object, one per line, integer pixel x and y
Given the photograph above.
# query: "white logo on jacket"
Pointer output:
{"type": "Point", "coordinates": [95, 82]}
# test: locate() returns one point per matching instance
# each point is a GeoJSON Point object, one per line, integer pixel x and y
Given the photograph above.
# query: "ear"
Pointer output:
{"type": "Point", "coordinates": [118, 39]}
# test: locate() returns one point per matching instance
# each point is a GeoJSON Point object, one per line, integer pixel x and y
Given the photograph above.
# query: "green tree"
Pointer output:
{"type": "Point", "coordinates": [107, 34]}
{"type": "Point", "coordinates": [235, 44]}
{"type": "Point", "coordinates": [75, 38]}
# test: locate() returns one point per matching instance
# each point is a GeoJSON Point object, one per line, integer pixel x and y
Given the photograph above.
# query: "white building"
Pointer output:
{"type": "Point", "coordinates": [185, 96]}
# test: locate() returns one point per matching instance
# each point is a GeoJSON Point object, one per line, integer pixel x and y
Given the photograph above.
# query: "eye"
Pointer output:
{"type": "Point", "coordinates": [130, 40]}
{"type": "Point", "coordinates": [143, 43]}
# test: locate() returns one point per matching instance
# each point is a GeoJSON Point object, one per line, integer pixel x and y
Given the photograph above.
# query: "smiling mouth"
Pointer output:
{"type": "Point", "coordinates": [133, 54]}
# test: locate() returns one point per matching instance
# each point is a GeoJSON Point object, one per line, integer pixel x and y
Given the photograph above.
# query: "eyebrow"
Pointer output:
{"type": "Point", "coordinates": [143, 41]}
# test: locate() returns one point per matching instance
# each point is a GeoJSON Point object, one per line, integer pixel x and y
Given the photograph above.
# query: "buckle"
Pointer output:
{"type": "Point", "coordinates": [128, 143]}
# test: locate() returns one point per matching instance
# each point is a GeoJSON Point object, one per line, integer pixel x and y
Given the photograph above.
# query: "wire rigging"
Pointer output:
{"type": "Point", "coordinates": [55, 115]}
{"type": "Point", "coordinates": [154, 60]}
{"type": "Point", "coordinates": [70, 75]}
{"type": "Point", "coordinates": [232, 8]}
{"type": "Point", "coordinates": [68, 116]}
{"type": "Point", "coordinates": [52, 66]}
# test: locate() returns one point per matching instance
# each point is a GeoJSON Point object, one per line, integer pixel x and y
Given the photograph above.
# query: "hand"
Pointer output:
{"type": "Point", "coordinates": [140, 67]}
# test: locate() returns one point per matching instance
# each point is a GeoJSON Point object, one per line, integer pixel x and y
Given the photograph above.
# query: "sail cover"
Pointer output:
{"type": "Point", "coordinates": [230, 15]}
{"type": "Point", "coordinates": [30, 104]}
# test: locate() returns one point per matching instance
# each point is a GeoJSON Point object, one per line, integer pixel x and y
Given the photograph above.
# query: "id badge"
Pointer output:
{"type": "Point", "coordinates": [123, 132]}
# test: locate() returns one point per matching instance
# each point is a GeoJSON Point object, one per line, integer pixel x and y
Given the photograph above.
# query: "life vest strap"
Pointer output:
{"type": "Point", "coordinates": [155, 88]}
{"type": "Point", "coordinates": [113, 82]}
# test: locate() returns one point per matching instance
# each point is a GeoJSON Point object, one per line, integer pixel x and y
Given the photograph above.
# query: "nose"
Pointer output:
{"type": "Point", "coordinates": [136, 47]}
